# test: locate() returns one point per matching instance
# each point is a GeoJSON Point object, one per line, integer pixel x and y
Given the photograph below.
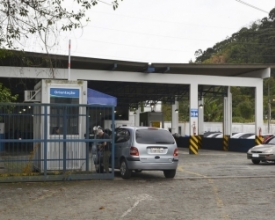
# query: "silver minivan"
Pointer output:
{"type": "Point", "coordinates": [145, 148]}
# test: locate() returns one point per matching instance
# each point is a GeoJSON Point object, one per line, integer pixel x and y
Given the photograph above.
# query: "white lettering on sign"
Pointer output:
{"type": "Point", "coordinates": [194, 113]}
{"type": "Point", "coordinates": [64, 92]}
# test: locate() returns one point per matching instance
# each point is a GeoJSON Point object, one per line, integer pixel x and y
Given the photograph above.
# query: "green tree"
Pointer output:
{"type": "Point", "coordinates": [19, 19]}
{"type": "Point", "coordinates": [250, 45]}
{"type": "Point", "coordinates": [213, 109]}
{"type": "Point", "coordinates": [254, 44]}
{"type": "Point", "coordinates": [6, 96]}
{"type": "Point", "coordinates": [246, 109]}
{"type": "Point", "coordinates": [45, 19]}
{"type": "Point", "coordinates": [167, 111]}
{"type": "Point", "coordinates": [184, 110]}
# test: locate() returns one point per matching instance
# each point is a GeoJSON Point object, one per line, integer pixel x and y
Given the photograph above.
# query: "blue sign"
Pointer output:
{"type": "Point", "coordinates": [194, 112]}
{"type": "Point", "coordinates": [64, 93]}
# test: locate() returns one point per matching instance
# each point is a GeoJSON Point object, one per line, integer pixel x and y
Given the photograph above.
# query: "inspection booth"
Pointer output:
{"type": "Point", "coordinates": [60, 120]}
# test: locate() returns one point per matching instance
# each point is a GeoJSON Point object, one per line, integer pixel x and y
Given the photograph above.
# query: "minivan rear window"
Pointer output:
{"type": "Point", "coordinates": [154, 136]}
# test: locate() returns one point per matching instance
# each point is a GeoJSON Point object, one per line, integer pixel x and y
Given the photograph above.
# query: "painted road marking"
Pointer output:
{"type": "Point", "coordinates": [219, 201]}
{"type": "Point", "coordinates": [139, 198]}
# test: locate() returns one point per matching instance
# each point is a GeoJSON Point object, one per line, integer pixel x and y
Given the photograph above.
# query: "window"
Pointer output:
{"type": "Point", "coordinates": [271, 141]}
{"type": "Point", "coordinates": [154, 136]}
{"type": "Point", "coordinates": [59, 115]}
{"type": "Point", "coordinates": [122, 135]}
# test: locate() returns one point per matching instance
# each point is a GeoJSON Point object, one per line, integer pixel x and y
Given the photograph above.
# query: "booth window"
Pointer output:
{"type": "Point", "coordinates": [60, 113]}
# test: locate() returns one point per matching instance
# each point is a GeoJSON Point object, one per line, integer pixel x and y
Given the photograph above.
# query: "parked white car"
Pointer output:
{"type": "Point", "coordinates": [263, 152]}
{"type": "Point", "coordinates": [237, 135]}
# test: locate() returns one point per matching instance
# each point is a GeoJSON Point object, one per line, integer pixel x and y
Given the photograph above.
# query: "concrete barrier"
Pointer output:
{"type": "Point", "coordinates": [241, 145]}
{"type": "Point", "coordinates": [237, 145]}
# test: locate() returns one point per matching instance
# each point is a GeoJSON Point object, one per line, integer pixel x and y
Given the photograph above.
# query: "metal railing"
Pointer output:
{"type": "Point", "coordinates": [46, 142]}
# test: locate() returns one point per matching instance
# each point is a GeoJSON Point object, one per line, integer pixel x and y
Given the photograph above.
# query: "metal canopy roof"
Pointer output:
{"type": "Point", "coordinates": [134, 93]}
{"type": "Point", "coordinates": [129, 93]}
{"type": "Point", "coordinates": [61, 61]}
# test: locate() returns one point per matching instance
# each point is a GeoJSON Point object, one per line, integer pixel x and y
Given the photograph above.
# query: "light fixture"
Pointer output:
{"type": "Point", "coordinates": [176, 110]}
{"type": "Point", "coordinates": [201, 106]}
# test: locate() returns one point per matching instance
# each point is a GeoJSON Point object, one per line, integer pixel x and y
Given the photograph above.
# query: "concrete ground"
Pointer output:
{"type": "Point", "coordinates": [211, 185]}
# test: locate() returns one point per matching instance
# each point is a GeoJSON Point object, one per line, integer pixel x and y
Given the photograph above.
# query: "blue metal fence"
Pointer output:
{"type": "Point", "coordinates": [41, 142]}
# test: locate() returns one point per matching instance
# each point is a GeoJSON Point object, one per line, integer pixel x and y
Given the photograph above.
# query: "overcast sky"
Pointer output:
{"type": "Point", "coordinates": [160, 30]}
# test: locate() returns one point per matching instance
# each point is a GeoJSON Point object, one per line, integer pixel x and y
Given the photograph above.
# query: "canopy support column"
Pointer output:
{"type": "Point", "coordinates": [175, 117]}
{"type": "Point", "coordinates": [259, 108]}
{"type": "Point", "coordinates": [137, 116]}
{"type": "Point", "coordinates": [227, 114]}
{"type": "Point", "coordinates": [201, 116]}
{"type": "Point", "coordinates": [193, 119]}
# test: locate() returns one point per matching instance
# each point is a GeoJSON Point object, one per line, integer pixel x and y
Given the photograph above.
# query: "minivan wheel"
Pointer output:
{"type": "Point", "coordinates": [255, 161]}
{"type": "Point", "coordinates": [124, 171]}
{"type": "Point", "coordinates": [169, 173]}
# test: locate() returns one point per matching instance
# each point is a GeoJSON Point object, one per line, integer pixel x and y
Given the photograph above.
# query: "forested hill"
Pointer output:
{"type": "Point", "coordinates": [251, 45]}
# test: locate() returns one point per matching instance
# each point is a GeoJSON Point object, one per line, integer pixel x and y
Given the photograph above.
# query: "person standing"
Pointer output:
{"type": "Point", "coordinates": [105, 148]}
{"type": "Point", "coordinates": [56, 130]}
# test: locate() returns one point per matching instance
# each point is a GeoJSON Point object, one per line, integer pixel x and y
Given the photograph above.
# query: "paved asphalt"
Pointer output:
{"type": "Point", "coordinates": [211, 185]}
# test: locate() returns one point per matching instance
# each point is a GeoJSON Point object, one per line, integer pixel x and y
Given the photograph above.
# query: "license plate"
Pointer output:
{"type": "Point", "coordinates": [255, 155]}
{"type": "Point", "coordinates": [156, 150]}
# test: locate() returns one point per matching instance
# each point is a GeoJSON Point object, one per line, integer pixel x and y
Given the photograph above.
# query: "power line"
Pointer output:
{"type": "Point", "coordinates": [130, 45]}
{"type": "Point", "coordinates": [248, 54]}
{"type": "Point", "coordinates": [252, 6]}
{"type": "Point", "coordinates": [107, 3]}
{"type": "Point", "coordinates": [141, 33]}
{"type": "Point", "coordinates": [163, 21]}
{"type": "Point", "coordinates": [163, 36]}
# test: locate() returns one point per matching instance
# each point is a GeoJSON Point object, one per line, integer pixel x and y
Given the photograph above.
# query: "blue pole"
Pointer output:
{"type": "Point", "coordinates": [87, 138]}
{"type": "Point", "coordinates": [113, 141]}
{"type": "Point", "coordinates": [45, 138]}
{"type": "Point", "coordinates": [64, 138]}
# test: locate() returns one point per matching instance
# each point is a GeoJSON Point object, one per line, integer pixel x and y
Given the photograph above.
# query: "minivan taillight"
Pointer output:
{"type": "Point", "coordinates": [134, 151]}
{"type": "Point", "coordinates": [176, 153]}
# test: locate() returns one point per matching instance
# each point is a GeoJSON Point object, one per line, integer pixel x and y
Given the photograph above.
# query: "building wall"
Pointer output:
{"type": "Point", "coordinates": [218, 127]}
{"type": "Point", "coordinates": [208, 126]}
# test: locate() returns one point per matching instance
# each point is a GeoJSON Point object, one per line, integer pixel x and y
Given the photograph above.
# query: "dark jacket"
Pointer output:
{"type": "Point", "coordinates": [106, 136]}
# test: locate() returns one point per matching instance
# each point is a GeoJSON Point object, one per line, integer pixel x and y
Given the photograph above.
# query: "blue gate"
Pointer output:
{"type": "Point", "coordinates": [47, 142]}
